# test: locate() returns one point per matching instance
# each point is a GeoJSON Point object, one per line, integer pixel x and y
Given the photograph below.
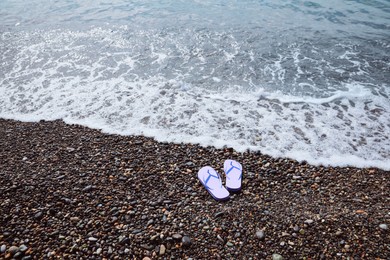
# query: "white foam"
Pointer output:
{"type": "Point", "coordinates": [114, 91]}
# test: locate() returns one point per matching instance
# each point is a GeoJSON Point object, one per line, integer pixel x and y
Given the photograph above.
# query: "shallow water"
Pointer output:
{"type": "Point", "coordinates": [303, 79]}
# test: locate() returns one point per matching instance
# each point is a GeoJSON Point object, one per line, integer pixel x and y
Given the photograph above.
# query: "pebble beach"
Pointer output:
{"type": "Point", "coordinates": [71, 192]}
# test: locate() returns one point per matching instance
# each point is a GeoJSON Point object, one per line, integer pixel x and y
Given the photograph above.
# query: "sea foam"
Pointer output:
{"type": "Point", "coordinates": [159, 86]}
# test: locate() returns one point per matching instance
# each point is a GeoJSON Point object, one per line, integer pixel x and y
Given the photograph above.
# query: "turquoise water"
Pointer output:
{"type": "Point", "coordinates": [302, 79]}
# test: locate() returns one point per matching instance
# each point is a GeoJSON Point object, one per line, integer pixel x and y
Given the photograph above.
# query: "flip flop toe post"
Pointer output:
{"type": "Point", "coordinates": [211, 180]}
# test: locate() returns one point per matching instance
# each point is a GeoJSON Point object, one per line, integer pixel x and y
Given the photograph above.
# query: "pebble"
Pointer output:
{"type": "Point", "coordinates": [23, 248]}
{"type": "Point", "coordinates": [38, 215]}
{"type": "Point", "coordinates": [18, 255]}
{"type": "Point", "coordinates": [186, 241]}
{"type": "Point", "coordinates": [162, 250]}
{"type": "Point", "coordinates": [383, 226]}
{"type": "Point", "coordinates": [309, 221]}
{"type": "Point", "coordinates": [177, 236]}
{"type": "Point", "coordinates": [88, 188]}
{"type": "Point", "coordinates": [13, 250]}
{"type": "Point", "coordinates": [229, 244]}
{"type": "Point", "coordinates": [3, 248]}
{"type": "Point", "coordinates": [99, 251]}
{"type": "Point", "coordinates": [277, 257]}
{"type": "Point", "coordinates": [219, 214]}
{"type": "Point", "coordinates": [92, 239]}
{"type": "Point", "coordinates": [260, 234]}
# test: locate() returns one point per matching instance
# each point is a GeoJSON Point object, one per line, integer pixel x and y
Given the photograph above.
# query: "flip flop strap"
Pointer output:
{"type": "Point", "coordinates": [234, 167]}
{"type": "Point", "coordinates": [208, 178]}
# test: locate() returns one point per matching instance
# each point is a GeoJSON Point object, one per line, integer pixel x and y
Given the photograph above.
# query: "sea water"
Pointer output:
{"type": "Point", "coordinates": [308, 80]}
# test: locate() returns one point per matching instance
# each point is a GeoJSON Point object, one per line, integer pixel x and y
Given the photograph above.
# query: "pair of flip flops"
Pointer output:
{"type": "Point", "coordinates": [212, 181]}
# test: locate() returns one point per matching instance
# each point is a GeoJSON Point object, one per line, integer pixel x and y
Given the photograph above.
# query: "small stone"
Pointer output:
{"type": "Point", "coordinates": [220, 239]}
{"type": "Point", "coordinates": [18, 255]}
{"type": "Point", "coordinates": [302, 231]}
{"type": "Point", "coordinates": [99, 251]}
{"type": "Point", "coordinates": [162, 250]}
{"type": "Point", "coordinates": [177, 236]}
{"type": "Point", "coordinates": [229, 244]}
{"type": "Point", "coordinates": [277, 257]}
{"type": "Point", "coordinates": [27, 257]}
{"type": "Point", "coordinates": [309, 221]}
{"type": "Point", "coordinates": [23, 248]}
{"type": "Point", "coordinates": [38, 215]}
{"type": "Point", "coordinates": [146, 258]}
{"type": "Point", "coordinates": [186, 241]}
{"type": "Point", "coordinates": [260, 234]}
{"type": "Point", "coordinates": [383, 226]}
{"type": "Point", "coordinates": [296, 228]}
{"type": "Point", "coordinates": [92, 239]}
{"type": "Point", "coordinates": [88, 188]}
{"type": "Point", "coordinates": [13, 250]}
{"type": "Point", "coordinates": [3, 248]}
{"type": "Point", "coordinates": [218, 214]}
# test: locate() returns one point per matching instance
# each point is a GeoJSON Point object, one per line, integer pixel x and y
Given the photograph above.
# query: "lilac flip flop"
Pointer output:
{"type": "Point", "coordinates": [233, 171]}
{"type": "Point", "coordinates": [211, 180]}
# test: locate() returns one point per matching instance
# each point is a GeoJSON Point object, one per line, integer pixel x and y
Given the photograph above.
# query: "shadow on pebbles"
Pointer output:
{"type": "Point", "coordinates": [67, 191]}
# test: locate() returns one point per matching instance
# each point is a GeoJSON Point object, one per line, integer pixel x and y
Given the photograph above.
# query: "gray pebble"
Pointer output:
{"type": "Point", "coordinates": [3, 248]}
{"type": "Point", "coordinates": [13, 249]}
{"type": "Point", "coordinates": [177, 236]}
{"type": "Point", "coordinates": [277, 257]}
{"type": "Point", "coordinates": [18, 255]}
{"type": "Point", "coordinates": [260, 234]}
{"type": "Point", "coordinates": [186, 241]}
{"type": "Point", "coordinates": [92, 239]}
{"type": "Point", "coordinates": [99, 251]}
{"type": "Point", "coordinates": [309, 221]}
{"type": "Point", "coordinates": [218, 214]}
{"type": "Point", "coordinates": [88, 188]}
{"type": "Point", "coordinates": [38, 215]}
{"type": "Point", "coordinates": [229, 244]}
{"type": "Point", "coordinates": [23, 248]}
{"type": "Point", "coordinates": [383, 226]}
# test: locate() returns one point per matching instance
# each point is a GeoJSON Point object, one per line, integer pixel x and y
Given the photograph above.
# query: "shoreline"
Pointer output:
{"type": "Point", "coordinates": [72, 191]}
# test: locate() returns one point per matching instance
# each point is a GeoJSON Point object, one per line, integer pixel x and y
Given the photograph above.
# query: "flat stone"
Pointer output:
{"type": "Point", "coordinates": [3, 248]}
{"type": "Point", "coordinates": [383, 226]}
{"type": "Point", "coordinates": [88, 188]}
{"type": "Point", "coordinates": [309, 221]}
{"type": "Point", "coordinates": [229, 244]}
{"type": "Point", "coordinates": [23, 248]}
{"type": "Point", "coordinates": [277, 257]}
{"type": "Point", "coordinates": [162, 250]}
{"type": "Point", "coordinates": [177, 236]}
{"type": "Point", "coordinates": [92, 239]}
{"type": "Point", "coordinates": [99, 251]}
